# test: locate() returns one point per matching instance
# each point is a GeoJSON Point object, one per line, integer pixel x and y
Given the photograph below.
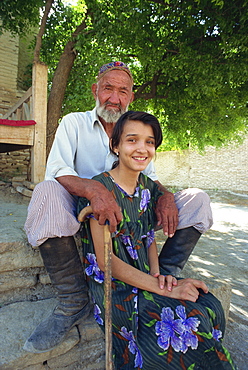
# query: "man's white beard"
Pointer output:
{"type": "Point", "coordinates": [109, 116]}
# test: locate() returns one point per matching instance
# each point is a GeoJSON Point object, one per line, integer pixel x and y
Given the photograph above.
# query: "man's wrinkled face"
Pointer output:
{"type": "Point", "coordinates": [113, 94]}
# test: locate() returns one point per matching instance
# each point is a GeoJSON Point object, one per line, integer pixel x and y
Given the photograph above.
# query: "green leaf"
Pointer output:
{"type": "Point", "coordinates": [228, 356]}
{"type": "Point", "coordinates": [151, 323]}
{"type": "Point", "coordinates": [149, 297]}
{"type": "Point", "coordinates": [85, 241]}
{"type": "Point", "coordinates": [146, 267]}
{"type": "Point", "coordinates": [211, 313]}
{"type": "Point", "coordinates": [115, 245]}
{"type": "Point", "coordinates": [120, 282]}
{"type": "Point", "coordinates": [210, 349]}
{"type": "Point", "coordinates": [205, 335]}
{"type": "Point", "coordinates": [191, 367]}
{"type": "Point", "coordinates": [126, 217]}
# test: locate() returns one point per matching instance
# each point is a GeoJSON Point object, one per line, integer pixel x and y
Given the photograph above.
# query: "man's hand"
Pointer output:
{"type": "Point", "coordinates": [167, 212]}
{"type": "Point", "coordinates": [102, 201]}
{"type": "Point", "coordinates": [104, 206]}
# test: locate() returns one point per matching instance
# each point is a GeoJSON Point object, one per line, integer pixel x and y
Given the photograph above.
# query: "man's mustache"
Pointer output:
{"type": "Point", "coordinates": [115, 105]}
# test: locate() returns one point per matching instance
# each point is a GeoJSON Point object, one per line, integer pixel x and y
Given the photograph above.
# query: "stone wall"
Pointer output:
{"type": "Point", "coordinates": [15, 163]}
{"type": "Point", "coordinates": [223, 169]}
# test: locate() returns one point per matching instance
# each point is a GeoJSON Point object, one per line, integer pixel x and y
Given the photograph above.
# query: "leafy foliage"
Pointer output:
{"type": "Point", "coordinates": [17, 16]}
{"type": "Point", "coordinates": [189, 61]}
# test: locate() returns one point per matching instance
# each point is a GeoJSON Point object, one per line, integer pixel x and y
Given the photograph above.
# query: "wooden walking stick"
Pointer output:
{"type": "Point", "coordinates": [107, 287]}
{"type": "Point", "coordinates": [108, 297]}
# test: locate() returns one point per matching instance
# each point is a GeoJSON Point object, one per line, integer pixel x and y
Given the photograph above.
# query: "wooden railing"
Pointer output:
{"type": "Point", "coordinates": [22, 110]}
{"type": "Point", "coordinates": [31, 106]}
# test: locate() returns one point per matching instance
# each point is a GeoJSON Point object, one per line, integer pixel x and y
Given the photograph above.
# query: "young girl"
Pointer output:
{"type": "Point", "coordinates": [157, 321]}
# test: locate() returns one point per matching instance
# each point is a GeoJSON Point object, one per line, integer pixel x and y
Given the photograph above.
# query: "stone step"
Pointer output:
{"type": "Point", "coordinates": [83, 348]}
{"type": "Point", "coordinates": [12, 219]}
{"type": "Point", "coordinates": [23, 286]}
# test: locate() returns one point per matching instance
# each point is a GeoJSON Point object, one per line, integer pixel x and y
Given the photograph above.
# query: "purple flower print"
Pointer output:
{"type": "Point", "coordinates": [94, 269]}
{"type": "Point", "coordinates": [177, 332]}
{"type": "Point", "coordinates": [189, 340]}
{"type": "Point", "coordinates": [150, 237]}
{"type": "Point", "coordinates": [145, 199]}
{"type": "Point", "coordinates": [169, 330]}
{"type": "Point", "coordinates": [135, 291]}
{"type": "Point", "coordinates": [135, 299]}
{"type": "Point", "coordinates": [217, 334]}
{"type": "Point", "coordinates": [97, 313]}
{"type": "Point", "coordinates": [126, 239]}
{"type": "Point", "coordinates": [190, 324]}
{"type": "Point", "coordinates": [136, 193]}
{"type": "Point", "coordinates": [132, 346]}
{"type": "Point", "coordinates": [133, 253]}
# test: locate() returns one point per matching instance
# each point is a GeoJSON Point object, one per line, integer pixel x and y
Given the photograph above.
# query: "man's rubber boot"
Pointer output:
{"type": "Point", "coordinates": [63, 264]}
{"type": "Point", "coordinates": [176, 250]}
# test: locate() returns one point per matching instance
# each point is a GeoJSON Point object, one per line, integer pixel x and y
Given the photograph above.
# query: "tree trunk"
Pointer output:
{"type": "Point", "coordinates": [57, 93]}
{"type": "Point", "coordinates": [59, 83]}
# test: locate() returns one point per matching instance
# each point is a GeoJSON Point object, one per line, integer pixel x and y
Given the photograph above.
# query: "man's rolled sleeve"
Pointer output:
{"type": "Point", "coordinates": [61, 158]}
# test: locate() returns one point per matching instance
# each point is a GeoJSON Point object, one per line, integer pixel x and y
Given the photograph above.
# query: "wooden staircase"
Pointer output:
{"type": "Point", "coordinates": [32, 106]}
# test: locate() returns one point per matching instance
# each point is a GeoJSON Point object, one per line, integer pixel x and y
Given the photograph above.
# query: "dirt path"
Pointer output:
{"type": "Point", "coordinates": [223, 253]}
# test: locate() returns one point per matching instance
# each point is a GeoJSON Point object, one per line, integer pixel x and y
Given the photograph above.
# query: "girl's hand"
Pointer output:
{"type": "Point", "coordinates": [188, 289]}
{"type": "Point", "coordinates": [169, 280]}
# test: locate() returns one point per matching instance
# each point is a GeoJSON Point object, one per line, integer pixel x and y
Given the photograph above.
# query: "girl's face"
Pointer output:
{"type": "Point", "coordinates": [137, 146]}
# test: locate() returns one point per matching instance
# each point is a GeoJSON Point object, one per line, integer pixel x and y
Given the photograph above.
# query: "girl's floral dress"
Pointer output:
{"type": "Point", "coordinates": [151, 332]}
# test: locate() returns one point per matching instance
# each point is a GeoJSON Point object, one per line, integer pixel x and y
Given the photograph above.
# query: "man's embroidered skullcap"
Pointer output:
{"type": "Point", "coordinates": [111, 66]}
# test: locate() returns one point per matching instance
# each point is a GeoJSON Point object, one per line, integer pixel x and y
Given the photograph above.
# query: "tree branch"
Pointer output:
{"type": "Point", "coordinates": [42, 30]}
{"type": "Point", "coordinates": [81, 26]}
{"type": "Point", "coordinates": [153, 84]}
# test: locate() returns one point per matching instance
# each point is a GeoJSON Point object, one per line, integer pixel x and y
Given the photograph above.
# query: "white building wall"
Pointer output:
{"type": "Point", "coordinates": [223, 169]}
{"type": "Point", "coordinates": [8, 71]}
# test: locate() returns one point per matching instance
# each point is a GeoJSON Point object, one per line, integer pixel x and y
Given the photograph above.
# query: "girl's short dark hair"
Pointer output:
{"type": "Point", "coordinates": [146, 118]}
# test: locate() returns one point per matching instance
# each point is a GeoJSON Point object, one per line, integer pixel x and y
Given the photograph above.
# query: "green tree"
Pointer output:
{"type": "Point", "coordinates": [189, 61]}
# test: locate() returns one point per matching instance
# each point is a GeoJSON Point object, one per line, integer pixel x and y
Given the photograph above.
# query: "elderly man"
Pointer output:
{"type": "Point", "coordinates": [80, 151]}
